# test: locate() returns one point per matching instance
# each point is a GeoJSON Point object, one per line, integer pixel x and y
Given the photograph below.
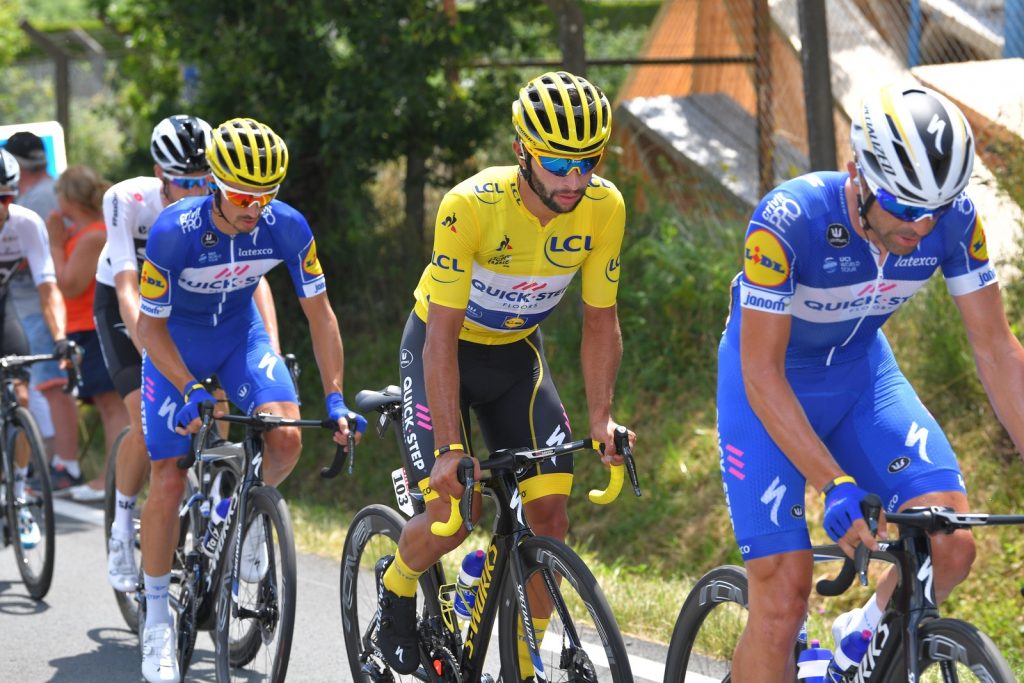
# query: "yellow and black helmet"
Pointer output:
{"type": "Point", "coordinates": [564, 115]}
{"type": "Point", "coordinates": [247, 152]}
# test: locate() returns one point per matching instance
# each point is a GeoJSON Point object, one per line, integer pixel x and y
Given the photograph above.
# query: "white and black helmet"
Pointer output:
{"type": "Point", "coordinates": [179, 144]}
{"type": "Point", "coordinates": [915, 144]}
{"type": "Point", "coordinates": [10, 173]}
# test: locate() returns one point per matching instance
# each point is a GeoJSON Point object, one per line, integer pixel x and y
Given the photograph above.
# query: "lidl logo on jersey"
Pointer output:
{"type": "Point", "coordinates": [979, 249]}
{"type": "Point", "coordinates": [765, 262]}
{"type": "Point", "coordinates": [310, 262]}
{"type": "Point", "coordinates": [153, 283]}
{"type": "Point", "coordinates": [567, 252]}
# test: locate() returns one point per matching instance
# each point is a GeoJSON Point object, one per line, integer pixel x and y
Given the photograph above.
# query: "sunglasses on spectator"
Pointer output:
{"type": "Point", "coordinates": [202, 182]}
{"type": "Point", "coordinates": [905, 212]}
{"type": "Point", "coordinates": [7, 199]}
{"type": "Point", "coordinates": [246, 199]}
{"type": "Point", "coordinates": [561, 167]}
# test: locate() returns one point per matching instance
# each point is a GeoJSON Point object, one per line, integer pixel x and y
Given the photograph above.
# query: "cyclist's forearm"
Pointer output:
{"type": "Point", "coordinates": [126, 284]}
{"type": "Point", "coordinates": [51, 303]}
{"type": "Point", "coordinates": [264, 299]}
{"type": "Point", "coordinates": [327, 346]}
{"type": "Point", "coordinates": [600, 355]}
{"type": "Point", "coordinates": [162, 352]}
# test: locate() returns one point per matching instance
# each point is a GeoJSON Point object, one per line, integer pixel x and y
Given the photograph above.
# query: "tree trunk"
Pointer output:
{"type": "Point", "coordinates": [570, 35]}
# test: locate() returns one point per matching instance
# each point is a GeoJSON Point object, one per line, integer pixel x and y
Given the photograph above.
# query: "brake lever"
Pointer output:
{"type": "Point", "coordinates": [466, 502]}
{"type": "Point", "coordinates": [871, 508]}
{"type": "Point", "coordinates": [621, 438]}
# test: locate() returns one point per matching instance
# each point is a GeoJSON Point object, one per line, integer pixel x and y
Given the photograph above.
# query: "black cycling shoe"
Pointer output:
{"type": "Point", "coordinates": [396, 630]}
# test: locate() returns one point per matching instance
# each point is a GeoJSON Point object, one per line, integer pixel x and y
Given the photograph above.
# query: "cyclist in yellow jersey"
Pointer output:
{"type": "Point", "coordinates": [507, 243]}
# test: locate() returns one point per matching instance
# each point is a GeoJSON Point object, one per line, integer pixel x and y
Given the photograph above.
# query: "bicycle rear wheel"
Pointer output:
{"type": "Point", "coordinates": [708, 627]}
{"type": "Point", "coordinates": [373, 533]}
{"type": "Point", "coordinates": [127, 603]}
{"type": "Point", "coordinates": [582, 641]}
{"type": "Point", "coordinates": [30, 515]}
{"type": "Point", "coordinates": [253, 634]}
{"type": "Point", "coordinates": [953, 650]}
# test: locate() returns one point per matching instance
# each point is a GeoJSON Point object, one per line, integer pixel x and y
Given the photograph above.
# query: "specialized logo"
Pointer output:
{"type": "Point", "coordinates": [565, 252]}
{"type": "Point", "coordinates": [978, 249]}
{"type": "Point", "coordinates": [449, 222]}
{"type": "Point", "coordinates": [773, 495]}
{"type": "Point", "coordinates": [268, 362]}
{"type": "Point", "coordinates": [168, 410]}
{"type": "Point", "coordinates": [153, 282]}
{"type": "Point", "coordinates": [310, 263]}
{"type": "Point", "coordinates": [899, 464]}
{"type": "Point", "coordinates": [837, 235]}
{"type": "Point", "coordinates": [918, 436]}
{"type": "Point", "coordinates": [780, 211]}
{"type": "Point", "coordinates": [611, 270]}
{"type": "Point", "coordinates": [765, 262]}
{"type": "Point", "coordinates": [209, 239]}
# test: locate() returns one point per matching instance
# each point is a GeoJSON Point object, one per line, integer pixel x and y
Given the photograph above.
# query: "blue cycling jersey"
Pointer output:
{"type": "Point", "coordinates": [802, 258]}
{"type": "Point", "coordinates": [196, 274]}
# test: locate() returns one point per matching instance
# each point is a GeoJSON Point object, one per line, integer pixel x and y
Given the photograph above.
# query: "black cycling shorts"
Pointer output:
{"type": "Point", "coordinates": [119, 353]}
{"type": "Point", "coordinates": [509, 389]}
{"type": "Point", "coordinates": [14, 341]}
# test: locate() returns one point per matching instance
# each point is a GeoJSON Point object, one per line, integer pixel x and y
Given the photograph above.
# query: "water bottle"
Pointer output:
{"type": "Point", "coordinates": [212, 536]}
{"type": "Point", "coordinates": [848, 655]}
{"type": "Point", "coordinates": [469, 577]}
{"type": "Point", "coordinates": [812, 663]}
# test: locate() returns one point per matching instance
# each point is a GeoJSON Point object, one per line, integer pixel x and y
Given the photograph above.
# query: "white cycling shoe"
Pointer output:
{"type": "Point", "coordinates": [122, 572]}
{"type": "Point", "coordinates": [160, 654]}
{"type": "Point", "coordinates": [254, 561]}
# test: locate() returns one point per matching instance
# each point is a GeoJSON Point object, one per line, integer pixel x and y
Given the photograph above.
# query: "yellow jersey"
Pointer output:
{"type": "Point", "coordinates": [493, 258]}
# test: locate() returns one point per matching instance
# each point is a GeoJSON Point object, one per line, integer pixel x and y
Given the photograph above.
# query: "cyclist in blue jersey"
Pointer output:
{"type": "Point", "coordinates": [204, 259]}
{"type": "Point", "coordinates": [808, 389]}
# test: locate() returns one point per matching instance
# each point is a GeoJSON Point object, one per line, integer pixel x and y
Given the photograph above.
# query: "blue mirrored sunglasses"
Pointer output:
{"type": "Point", "coordinates": [909, 214]}
{"type": "Point", "coordinates": [560, 166]}
{"type": "Point", "coordinates": [189, 183]}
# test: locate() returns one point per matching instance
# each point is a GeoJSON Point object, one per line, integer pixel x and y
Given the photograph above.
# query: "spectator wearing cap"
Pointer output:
{"type": "Point", "coordinates": [55, 411]}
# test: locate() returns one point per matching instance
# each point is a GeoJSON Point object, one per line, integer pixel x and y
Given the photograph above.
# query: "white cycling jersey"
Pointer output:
{"type": "Point", "coordinates": [129, 209]}
{"type": "Point", "coordinates": [24, 237]}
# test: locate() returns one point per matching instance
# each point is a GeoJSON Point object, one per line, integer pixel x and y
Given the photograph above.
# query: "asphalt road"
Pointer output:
{"type": "Point", "coordinates": [77, 634]}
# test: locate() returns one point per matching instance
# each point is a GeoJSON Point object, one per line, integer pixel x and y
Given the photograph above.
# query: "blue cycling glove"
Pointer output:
{"type": "Point", "coordinates": [336, 409]}
{"type": "Point", "coordinates": [195, 395]}
{"type": "Point", "coordinates": [842, 506]}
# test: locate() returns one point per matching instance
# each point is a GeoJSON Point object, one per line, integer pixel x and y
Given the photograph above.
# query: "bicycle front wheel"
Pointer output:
{"type": "Point", "coordinates": [581, 642]}
{"type": "Point", "coordinates": [29, 503]}
{"type": "Point", "coordinates": [708, 627]}
{"type": "Point", "coordinates": [373, 533]}
{"type": "Point", "coordinates": [127, 603]}
{"type": "Point", "coordinates": [253, 634]}
{"type": "Point", "coordinates": [953, 650]}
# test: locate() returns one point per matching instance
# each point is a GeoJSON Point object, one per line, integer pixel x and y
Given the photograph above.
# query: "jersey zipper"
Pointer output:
{"type": "Point", "coordinates": [879, 280]}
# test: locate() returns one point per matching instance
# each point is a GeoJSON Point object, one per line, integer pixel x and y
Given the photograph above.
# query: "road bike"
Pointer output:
{"type": "Point", "coordinates": [912, 642]}
{"type": "Point", "coordinates": [28, 522]}
{"type": "Point", "coordinates": [582, 642]}
{"type": "Point", "coordinates": [127, 603]}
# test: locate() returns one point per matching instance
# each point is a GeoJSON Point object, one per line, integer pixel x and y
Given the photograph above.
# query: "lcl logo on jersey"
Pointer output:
{"type": "Point", "coordinates": [765, 262]}
{"type": "Point", "coordinates": [446, 263]}
{"type": "Point", "coordinates": [561, 251]}
{"type": "Point", "coordinates": [493, 192]}
{"type": "Point", "coordinates": [611, 271]}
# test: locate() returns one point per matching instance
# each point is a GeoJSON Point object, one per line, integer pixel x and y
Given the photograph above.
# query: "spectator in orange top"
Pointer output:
{"type": "Point", "coordinates": [77, 235]}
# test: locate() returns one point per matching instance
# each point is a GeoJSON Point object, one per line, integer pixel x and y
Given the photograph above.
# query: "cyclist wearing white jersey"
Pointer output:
{"type": "Point", "coordinates": [23, 238]}
{"type": "Point", "coordinates": [178, 146]}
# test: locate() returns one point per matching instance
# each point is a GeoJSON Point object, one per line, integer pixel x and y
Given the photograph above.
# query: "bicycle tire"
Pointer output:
{"type": "Point", "coordinates": [126, 602]}
{"type": "Point", "coordinates": [373, 533]}
{"type": "Point", "coordinates": [956, 644]}
{"type": "Point", "coordinates": [35, 563]}
{"type": "Point", "coordinates": [721, 596]}
{"type": "Point", "coordinates": [238, 641]}
{"type": "Point", "coordinates": [588, 615]}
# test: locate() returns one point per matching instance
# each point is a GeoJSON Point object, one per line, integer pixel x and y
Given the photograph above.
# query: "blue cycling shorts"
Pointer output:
{"type": "Point", "coordinates": [869, 418]}
{"type": "Point", "coordinates": [249, 370]}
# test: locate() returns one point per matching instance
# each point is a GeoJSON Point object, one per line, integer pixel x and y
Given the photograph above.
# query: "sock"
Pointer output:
{"type": "Point", "coordinates": [525, 663]}
{"type": "Point", "coordinates": [20, 475]}
{"type": "Point", "coordinates": [71, 466]}
{"type": "Point", "coordinates": [871, 614]}
{"type": "Point", "coordinates": [400, 579]}
{"type": "Point", "coordinates": [124, 526]}
{"type": "Point", "coordinates": [158, 607]}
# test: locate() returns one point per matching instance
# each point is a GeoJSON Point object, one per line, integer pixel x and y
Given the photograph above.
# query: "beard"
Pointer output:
{"type": "Point", "coordinates": [546, 196]}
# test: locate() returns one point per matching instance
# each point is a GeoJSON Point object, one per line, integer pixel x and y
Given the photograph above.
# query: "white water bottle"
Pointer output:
{"type": "Point", "coordinates": [469, 577]}
{"type": "Point", "coordinates": [213, 529]}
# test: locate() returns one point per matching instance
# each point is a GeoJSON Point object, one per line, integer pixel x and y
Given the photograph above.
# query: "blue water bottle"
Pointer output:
{"type": "Point", "coordinates": [213, 530]}
{"type": "Point", "coordinates": [469, 577]}
{"type": "Point", "coordinates": [812, 663]}
{"type": "Point", "coordinates": [851, 650]}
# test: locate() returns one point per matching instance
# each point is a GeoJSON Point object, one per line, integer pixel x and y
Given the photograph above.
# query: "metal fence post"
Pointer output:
{"type": "Point", "coordinates": [821, 136]}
